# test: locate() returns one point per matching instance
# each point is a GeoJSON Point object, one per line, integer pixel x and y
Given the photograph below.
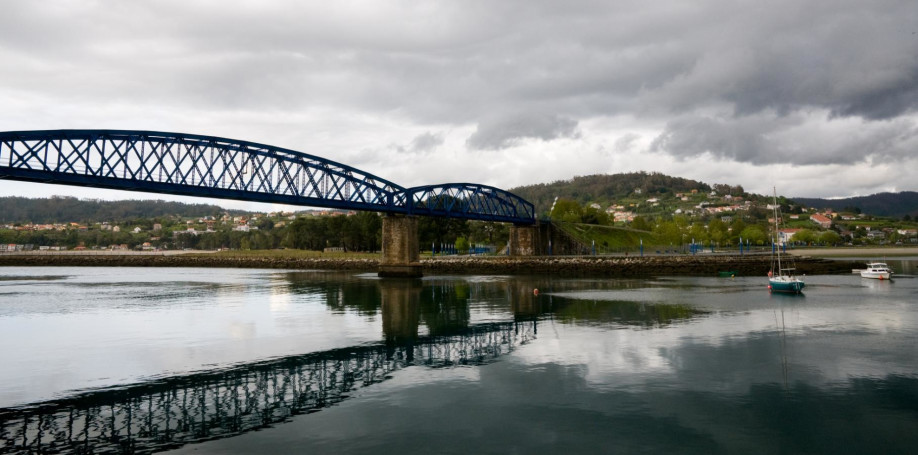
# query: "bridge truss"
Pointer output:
{"type": "Point", "coordinates": [206, 166]}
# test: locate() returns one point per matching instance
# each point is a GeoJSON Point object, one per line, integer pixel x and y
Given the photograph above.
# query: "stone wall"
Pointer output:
{"type": "Point", "coordinates": [698, 265]}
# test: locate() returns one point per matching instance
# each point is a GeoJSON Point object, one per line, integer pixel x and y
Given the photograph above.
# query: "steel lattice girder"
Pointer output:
{"type": "Point", "coordinates": [207, 166]}
{"type": "Point", "coordinates": [470, 201]}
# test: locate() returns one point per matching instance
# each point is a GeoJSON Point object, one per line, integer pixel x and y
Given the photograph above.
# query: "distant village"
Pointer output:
{"type": "Point", "coordinates": [851, 227]}
{"type": "Point", "coordinates": [668, 218]}
{"type": "Point", "coordinates": [158, 234]}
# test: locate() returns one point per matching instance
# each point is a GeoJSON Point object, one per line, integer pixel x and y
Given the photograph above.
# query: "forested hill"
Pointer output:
{"type": "Point", "coordinates": [882, 204]}
{"type": "Point", "coordinates": [61, 209]}
{"type": "Point", "coordinates": [606, 188]}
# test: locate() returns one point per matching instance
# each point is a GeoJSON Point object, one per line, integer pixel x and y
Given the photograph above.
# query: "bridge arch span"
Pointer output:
{"type": "Point", "coordinates": [192, 165]}
{"type": "Point", "coordinates": [469, 200]}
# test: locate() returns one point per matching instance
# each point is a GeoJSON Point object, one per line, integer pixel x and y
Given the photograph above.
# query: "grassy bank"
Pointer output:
{"type": "Point", "coordinates": [609, 237]}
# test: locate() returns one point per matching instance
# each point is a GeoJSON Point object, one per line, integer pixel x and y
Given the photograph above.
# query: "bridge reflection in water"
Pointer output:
{"type": "Point", "coordinates": [170, 412]}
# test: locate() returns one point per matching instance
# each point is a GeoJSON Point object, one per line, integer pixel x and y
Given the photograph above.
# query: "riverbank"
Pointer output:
{"type": "Point", "coordinates": [690, 265]}
{"type": "Point", "coordinates": [857, 252]}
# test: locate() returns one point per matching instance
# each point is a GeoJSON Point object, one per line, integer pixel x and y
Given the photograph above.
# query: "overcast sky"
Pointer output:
{"type": "Point", "coordinates": [817, 98]}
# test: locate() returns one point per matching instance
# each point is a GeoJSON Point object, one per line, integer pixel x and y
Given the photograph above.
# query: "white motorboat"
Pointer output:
{"type": "Point", "coordinates": [877, 270]}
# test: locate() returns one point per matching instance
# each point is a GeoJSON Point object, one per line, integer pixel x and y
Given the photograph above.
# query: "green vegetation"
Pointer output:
{"type": "Point", "coordinates": [209, 229]}
{"type": "Point", "coordinates": [609, 238]}
{"type": "Point", "coordinates": [612, 212]}
{"type": "Point", "coordinates": [58, 209]}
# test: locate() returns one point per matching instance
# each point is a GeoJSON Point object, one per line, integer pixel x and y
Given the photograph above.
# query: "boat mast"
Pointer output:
{"type": "Point", "coordinates": [777, 248]}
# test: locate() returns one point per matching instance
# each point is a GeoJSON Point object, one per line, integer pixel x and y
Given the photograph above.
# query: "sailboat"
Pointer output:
{"type": "Point", "coordinates": [781, 277]}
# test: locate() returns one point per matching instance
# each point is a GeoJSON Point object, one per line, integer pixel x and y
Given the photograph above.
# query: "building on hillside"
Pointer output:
{"type": "Point", "coordinates": [785, 235]}
{"type": "Point", "coordinates": [822, 220]}
{"type": "Point", "coordinates": [621, 216]}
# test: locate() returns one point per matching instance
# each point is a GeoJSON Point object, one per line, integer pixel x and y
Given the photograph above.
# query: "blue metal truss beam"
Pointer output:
{"type": "Point", "coordinates": [470, 201]}
{"type": "Point", "coordinates": [206, 166]}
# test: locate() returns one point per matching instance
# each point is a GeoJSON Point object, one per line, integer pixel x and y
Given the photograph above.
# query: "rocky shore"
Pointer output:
{"type": "Point", "coordinates": [625, 266]}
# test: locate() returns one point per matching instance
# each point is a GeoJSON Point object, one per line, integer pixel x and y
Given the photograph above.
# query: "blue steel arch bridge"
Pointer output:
{"type": "Point", "coordinates": [214, 167]}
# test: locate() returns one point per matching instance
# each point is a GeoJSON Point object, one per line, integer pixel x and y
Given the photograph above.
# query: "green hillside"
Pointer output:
{"type": "Point", "coordinates": [615, 188]}
{"type": "Point", "coordinates": [608, 238]}
{"type": "Point", "coordinates": [62, 209]}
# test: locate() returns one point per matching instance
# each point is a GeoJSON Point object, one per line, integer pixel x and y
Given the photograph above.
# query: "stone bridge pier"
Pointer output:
{"type": "Point", "coordinates": [400, 247]}
{"type": "Point", "coordinates": [528, 240]}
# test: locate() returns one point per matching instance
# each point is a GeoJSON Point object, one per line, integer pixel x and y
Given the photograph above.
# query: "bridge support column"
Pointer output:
{"type": "Point", "coordinates": [525, 240]}
{"type": "Point", "coordinates": [400, 250]}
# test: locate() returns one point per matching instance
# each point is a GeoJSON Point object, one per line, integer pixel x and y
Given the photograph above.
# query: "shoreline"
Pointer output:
{"type": "Point", "coordinates": [857, 252]}
{"type": "Point", "coordinates": [619, 266]}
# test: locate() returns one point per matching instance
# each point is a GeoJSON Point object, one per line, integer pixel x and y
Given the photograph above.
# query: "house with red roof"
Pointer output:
{"type": "Point", "coordinates": [822, 220]}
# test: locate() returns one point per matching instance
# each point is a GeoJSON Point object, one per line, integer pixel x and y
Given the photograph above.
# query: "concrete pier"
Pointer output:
{"type": "Point", "coordinates": [400, 248]}
{"type": "Point", "coordinates": [525, 240]}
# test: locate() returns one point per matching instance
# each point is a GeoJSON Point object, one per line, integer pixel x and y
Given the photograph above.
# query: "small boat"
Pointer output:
{"type": "Point", "coordinates": [877, 270]}
{"type": "Point", "coordinates": [781, 277]}
{"type": "Point", "coordinates": [727, 273]}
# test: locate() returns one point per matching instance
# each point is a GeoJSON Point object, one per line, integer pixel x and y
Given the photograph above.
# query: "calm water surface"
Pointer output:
{"type": "Point", "coordinates": [131, 360]}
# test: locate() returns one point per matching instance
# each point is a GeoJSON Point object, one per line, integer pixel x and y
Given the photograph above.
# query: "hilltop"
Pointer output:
{"type": "Point", "coordinates": [881, 204]}
{"type": "Point", "coordinates": [57, 209]}
{"type": "Point", "coordinates": [627, 188]}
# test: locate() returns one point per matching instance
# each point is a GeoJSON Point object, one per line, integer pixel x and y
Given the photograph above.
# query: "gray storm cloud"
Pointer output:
{"type": "Point", "coordinates": [503, 132]}
{"type": "Point", "coordinates": [755, 82]}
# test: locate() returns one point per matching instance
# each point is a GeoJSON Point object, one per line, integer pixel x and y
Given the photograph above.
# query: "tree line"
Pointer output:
{"type": "Point", "coordinates": [359, 232]}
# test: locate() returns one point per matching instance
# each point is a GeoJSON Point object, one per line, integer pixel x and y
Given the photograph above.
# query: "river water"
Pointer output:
{"type": "Point", "coordinates": [129, 360]}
